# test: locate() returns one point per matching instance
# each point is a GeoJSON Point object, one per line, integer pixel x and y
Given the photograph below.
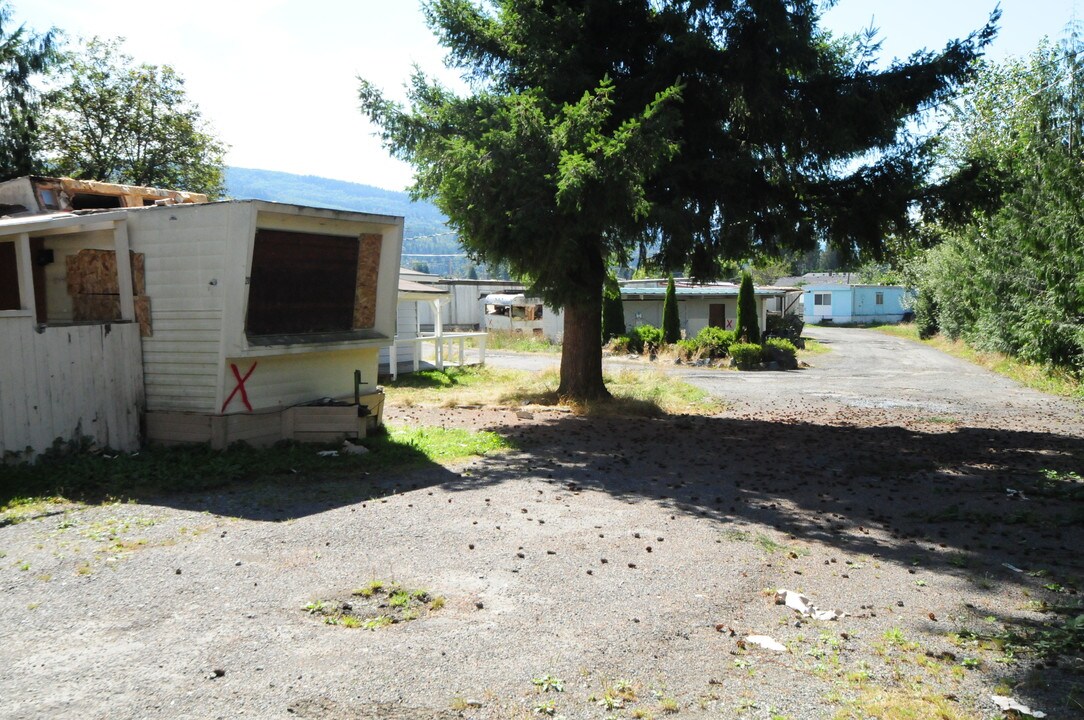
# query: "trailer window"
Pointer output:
{"type": "Point", "coordinates": [9, 278]}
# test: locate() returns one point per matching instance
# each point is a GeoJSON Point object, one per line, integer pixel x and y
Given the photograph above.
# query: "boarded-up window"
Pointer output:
{"type": "Point", "coordinates": [302, 283]}
{"type": "Point", "coordinates": [94, 286]}
{"type": "Point", "coordinates": [9, 278]}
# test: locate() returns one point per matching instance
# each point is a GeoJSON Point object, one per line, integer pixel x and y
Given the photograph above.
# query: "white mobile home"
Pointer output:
{"type": "Point", "coordinates": [699, 306]}
{"type": "Point", "coordinates": [259, 310]}
{"type": "Point", "coordinates": [259, 321]}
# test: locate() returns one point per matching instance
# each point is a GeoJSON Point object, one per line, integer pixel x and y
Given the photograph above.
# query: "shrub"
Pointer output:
{"type": "Point", "coordinates": [714, 342]}
{"type": "Point", "coordinates": [785, 326]}
{"type": "Point", "coordinates": [746, 354]}
{"type": "Point", "coordinates": [747, 327]}
{"type": "Point", "coordinates": [645, 338]}
{"type": "Point", "coordinates": [671, 322]}
{"type": "Point", "coordinates": [620, 345]}
{"type": "Point", "coordinates": [688, 349]}
{"type": "Point", "coordinates": [613, 312]}
{"type": "Point", "coordinates": [781, 351]}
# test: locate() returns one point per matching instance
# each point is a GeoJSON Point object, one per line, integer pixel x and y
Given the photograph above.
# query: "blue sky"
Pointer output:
{"type": "Point", "coordinates": [276, 78]}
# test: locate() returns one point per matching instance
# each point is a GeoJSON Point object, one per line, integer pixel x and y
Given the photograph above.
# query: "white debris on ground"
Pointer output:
{"type": "Point", "coordinates": [766, 642]}
{"type": "Point", "coordinates": [1005, 704]}
{"type": "Point", "coordinates": [802, 605]}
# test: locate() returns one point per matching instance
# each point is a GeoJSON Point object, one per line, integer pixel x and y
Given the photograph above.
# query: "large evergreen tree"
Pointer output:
{"type": "Point", "coordinates": [23, 56]}
{"type": "Point", "coordinates": [700, 131]}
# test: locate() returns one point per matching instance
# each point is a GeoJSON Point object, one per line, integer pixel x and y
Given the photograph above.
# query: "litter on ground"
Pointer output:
{"type": "Point", "coordinates": [800, 603]}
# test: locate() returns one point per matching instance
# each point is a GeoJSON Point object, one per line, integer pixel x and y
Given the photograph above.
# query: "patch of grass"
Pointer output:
{"type": "Point", "coordinates": [381, 604]}
{"type": "Point", "coordinates": [370, 589]}
{"type": "Point", "coordinates": [27, 491]}
{"type": "Point", "coordinates": [812, 347]}
{"type": "Point", "coordinates": [1038, 377]}
{"type": "Point", "coordinates": [902, 704]}
{"type": "Point", "coordinates": [520, 342]}
{"type": "Point", "coordinates": [643, 393]}
{"type": "Point", "coordinates": [1059, 635]}
{"type": "Point", "coordinates": [669, 705]}
{"type": "Point", "coordinates": [443, 445]}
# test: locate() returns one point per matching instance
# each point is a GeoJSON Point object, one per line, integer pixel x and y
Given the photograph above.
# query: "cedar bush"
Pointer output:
{"type": "Point", "coordinates": [714, 342]}
{"type": "Point", "coordinates": [645, 338]}
{"type": "Point", "coordinates": [746, 354]}
{"type": "Point", "coordinates": [781, 351]}
{"type": "Point", "coordinates": [785, 326]}
{"type": "Point", "coordinates": [747, 327]}
{"type": "Point", "coordinates": [671, 322]}
{"type": "Point", "coordinates": [613, 311]}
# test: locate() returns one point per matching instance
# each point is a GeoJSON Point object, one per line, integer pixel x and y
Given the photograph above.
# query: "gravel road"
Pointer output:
{"type": "Point", "coordinates": [629, 558]}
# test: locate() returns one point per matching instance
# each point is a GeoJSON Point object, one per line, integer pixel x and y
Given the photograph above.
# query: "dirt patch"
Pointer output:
{"type": "Point", "coordinates": [376, 605]}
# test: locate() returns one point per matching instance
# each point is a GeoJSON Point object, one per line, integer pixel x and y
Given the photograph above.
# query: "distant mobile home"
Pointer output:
{"type": "Point", "coordinates": [837, 303]}
{"type": "Point", "coordinates": [699, 306]}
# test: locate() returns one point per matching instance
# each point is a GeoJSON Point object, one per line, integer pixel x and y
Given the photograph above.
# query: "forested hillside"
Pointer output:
{"type": "Point", "coordinates": [425, 231]}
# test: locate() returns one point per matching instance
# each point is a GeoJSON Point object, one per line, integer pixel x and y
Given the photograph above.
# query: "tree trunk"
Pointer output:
{"type": "Point", "coordinates": [581, 354]}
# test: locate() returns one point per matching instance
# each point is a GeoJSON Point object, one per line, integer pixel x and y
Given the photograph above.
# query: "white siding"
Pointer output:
{"type": "Point", "coordinates": [69, 383]}
{"type": "Point", "coordinates": [281, 381]}
{"type": "Point", "coordinates": [185, 251]}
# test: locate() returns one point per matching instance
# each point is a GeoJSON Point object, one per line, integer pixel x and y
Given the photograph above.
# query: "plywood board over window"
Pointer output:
{"type": "Point", "coordinates": [95, 292]}
{"type": "Point", "coordinates": [365, 293]}
{"type": "Point", "coordinates": [301, 283]}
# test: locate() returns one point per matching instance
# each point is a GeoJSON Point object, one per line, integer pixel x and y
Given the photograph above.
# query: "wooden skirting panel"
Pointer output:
{"type": "Point", "coordinates": [304, 423]}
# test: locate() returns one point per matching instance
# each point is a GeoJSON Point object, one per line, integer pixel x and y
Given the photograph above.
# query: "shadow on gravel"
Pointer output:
{"type": "Point", "coordinates": [963, 499]}
{"type": "Point", "coordinates": [274, 484]}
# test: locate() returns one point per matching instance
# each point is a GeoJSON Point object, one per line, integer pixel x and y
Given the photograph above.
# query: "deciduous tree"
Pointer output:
{"type": "Point", "coordinates": [118, 121]}
{"type": "Point", "coordinates": [701, 131]}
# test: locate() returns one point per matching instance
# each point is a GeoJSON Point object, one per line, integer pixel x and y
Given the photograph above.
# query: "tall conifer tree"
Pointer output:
{"type": "Point", "coordinates": [698, 132]}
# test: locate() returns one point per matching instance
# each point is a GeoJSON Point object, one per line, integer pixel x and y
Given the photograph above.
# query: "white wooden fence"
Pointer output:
{"type": "Point", "coordinates": [69, 382]}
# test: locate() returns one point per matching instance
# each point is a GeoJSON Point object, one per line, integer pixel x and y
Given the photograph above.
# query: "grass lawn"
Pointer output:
{"type": "Point", "coordinates": [635, 392]}
{"type": "Point", "coordinates": [519, 342]}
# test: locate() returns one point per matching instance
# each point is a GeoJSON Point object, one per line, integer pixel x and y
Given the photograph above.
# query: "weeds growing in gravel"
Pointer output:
{"type": "Point", "coordinates": [376, 605]}
{"type": "Point", "coordinates": [548, 682]}
{"type": "Point", "coordinates": [29, 491]}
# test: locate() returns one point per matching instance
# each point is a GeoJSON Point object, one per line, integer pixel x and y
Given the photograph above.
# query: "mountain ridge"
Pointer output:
{"type": "Point", "coordinates": [427, 236]}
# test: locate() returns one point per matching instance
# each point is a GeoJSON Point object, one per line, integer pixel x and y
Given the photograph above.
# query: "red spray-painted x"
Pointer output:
{"type": "Point", "coordinates": [240, 387]}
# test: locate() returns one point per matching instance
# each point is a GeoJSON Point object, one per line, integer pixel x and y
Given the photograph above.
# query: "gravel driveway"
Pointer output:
{"type": "Point", "coordinates": [629, 558]}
